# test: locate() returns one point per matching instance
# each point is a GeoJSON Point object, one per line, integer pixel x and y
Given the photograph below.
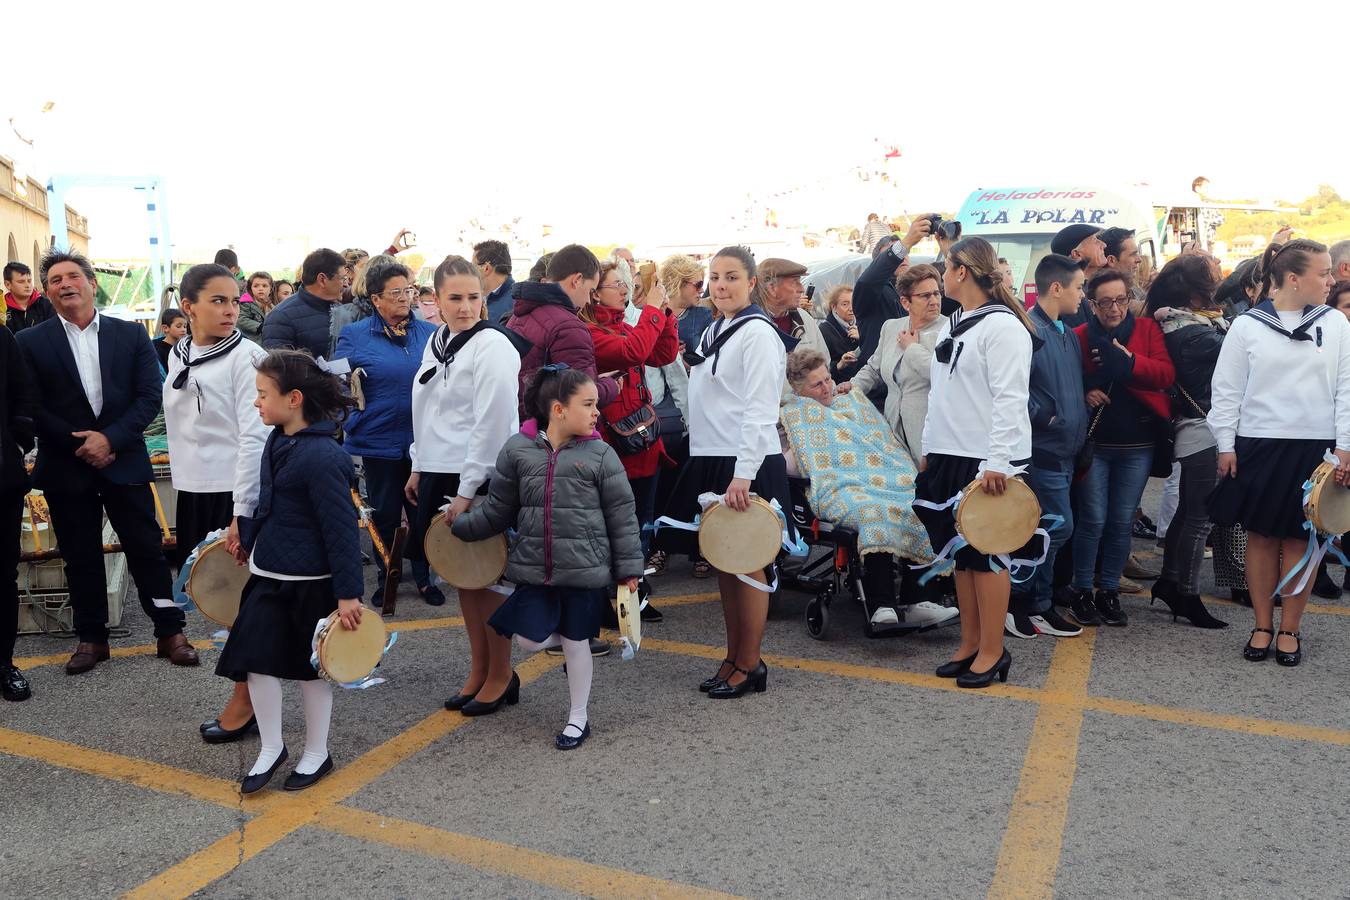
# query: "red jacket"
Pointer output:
{"type": "Point", "coordinates": [1153, 370]}
{"type": "Point", "coordinates": [624, 348]}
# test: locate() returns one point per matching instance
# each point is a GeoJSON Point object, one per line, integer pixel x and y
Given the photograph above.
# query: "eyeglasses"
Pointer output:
{"type": "Point", "coordinates": [395, 293]}
{"type": "Point", "coordinates": [926, 296]}
{"type": "Point", "coordinates": [617, 285]}
{"type": "Point", "coordinates": [1108, 302]}
{"type": "Point", "coordinates": [698, 285]}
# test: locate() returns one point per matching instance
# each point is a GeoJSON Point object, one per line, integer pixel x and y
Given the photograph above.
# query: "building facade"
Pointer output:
{"type": "Point", "coordinates": [23, 221]}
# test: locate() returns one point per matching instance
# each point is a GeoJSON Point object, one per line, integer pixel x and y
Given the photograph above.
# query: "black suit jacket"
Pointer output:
{"type": "Point", "coordinates": [132, 390]}
{"type": "Point", "coordinates": [19, 404]}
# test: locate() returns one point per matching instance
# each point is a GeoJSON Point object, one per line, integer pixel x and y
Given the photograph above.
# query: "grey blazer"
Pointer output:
{"type": "Point", "coordinates": [906, 376]}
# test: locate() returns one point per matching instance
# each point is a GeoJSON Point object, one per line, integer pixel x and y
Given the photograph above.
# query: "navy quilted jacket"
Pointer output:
{"type": "Point", "coordinates": [299, 323]}
{"type": "Point", "coordinates": [306, 523]}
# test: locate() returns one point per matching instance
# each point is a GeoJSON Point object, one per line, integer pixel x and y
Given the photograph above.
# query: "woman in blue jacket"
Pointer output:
{"type": "Point", "coordinates": [385, 352]}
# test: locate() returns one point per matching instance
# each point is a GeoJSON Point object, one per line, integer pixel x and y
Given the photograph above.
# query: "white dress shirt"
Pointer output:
{"type": "Point", "coordinates": [84, 347]}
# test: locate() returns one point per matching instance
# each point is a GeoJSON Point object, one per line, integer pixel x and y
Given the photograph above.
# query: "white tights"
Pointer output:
{"type": "Point", "coordinates": [580, 667]}
{"type": "Point", "coordinates": [265, 692]}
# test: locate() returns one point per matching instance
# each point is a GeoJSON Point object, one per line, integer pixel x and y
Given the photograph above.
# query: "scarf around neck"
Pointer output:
{"type": "Point", "coordinates": [183, 348]}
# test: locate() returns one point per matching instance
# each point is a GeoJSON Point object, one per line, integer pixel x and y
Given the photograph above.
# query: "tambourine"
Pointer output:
{"type": "Point", "coordinates": [1327, 504]}
{"type": "Point", "coordinates": [466, 565]}
{"type": "Point", "coordinates": [740, 543]}
{"type": "Point", "coordinates": [627, 607]}
{"type": "Point", "coordinates": [213, 580]}
{"type": "Point", "coordinates": [347, 656]}
{"type": "Point", "coordinates": [998, 524]}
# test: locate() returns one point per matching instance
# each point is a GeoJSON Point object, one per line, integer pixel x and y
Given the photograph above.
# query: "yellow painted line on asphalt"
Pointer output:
{"type": "Point", "coordinates": [116, 767]}
{"type": "Point", "coordinates": [219, 859]}
{"type": "Point", "coordinates": [850, 670]}
{"type": "Point", "coordinates": [563, 873]}
{"type": "Point", "coordinates": [1029, 857]}
{"type": "Point", "coordinates": [1293, 731]}
{"type": "Point", "coordinates": [52, 659]}
{"type": "Point", "coordinates": [1322, 609]}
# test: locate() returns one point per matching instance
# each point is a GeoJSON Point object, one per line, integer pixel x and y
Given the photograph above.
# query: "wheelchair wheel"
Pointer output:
{"type": "Point", "coordinates": [818, 616]}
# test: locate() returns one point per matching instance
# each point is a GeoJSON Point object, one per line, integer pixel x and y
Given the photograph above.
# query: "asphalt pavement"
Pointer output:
{"type": "Point", "coordinates": [1150, 760]}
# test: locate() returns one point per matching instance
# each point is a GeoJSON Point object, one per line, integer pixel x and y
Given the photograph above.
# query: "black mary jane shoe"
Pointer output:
{"type": "Point", "coordinates": [297, 782]}
{"type": "Point", "coordinates": [1258, 654]}
{"type": "Point", "coordinates": [973, 679]}
{"type": "Point", "coordinates": [565, 741]}
{"type": "Point", "coordinates": [13, 685]}
{"type": "Point", "coordinates": [1289, 659]}
{"type": "Point", "coordinates": [254, 783]}
{"type": "Point", "coordinates": [709, 683]}
{"type": "Point", "coordinates": [212, 733]}
{"type": "Point", "coordinates": [510, 697]}
{"type": "Point", "coordinates": [757, 680]}
{"type": "Point", "coordinates": [955, 667]}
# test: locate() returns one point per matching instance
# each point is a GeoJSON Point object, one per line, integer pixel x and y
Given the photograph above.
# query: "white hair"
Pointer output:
{"type": "Point", "coordinates": [1340, 253]}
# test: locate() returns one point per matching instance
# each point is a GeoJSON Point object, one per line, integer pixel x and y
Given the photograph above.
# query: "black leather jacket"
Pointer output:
{"type": "Point", "coordinates": [1193, 342]}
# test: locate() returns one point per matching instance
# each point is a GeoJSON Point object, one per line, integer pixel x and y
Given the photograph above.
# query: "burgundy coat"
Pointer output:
{"type": "Point", "coordinates": [544, 316]}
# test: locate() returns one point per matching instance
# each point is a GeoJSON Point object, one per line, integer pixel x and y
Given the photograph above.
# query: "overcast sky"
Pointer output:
{"type": "Point", "coordinates": [617, 121]}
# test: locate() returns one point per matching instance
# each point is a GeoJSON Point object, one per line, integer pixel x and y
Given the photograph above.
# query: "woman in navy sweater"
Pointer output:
{"type": "Point", "coordinates": [305, 558]}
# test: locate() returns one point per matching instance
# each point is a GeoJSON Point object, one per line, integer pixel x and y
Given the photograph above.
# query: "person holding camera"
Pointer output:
{"type": "Point", "coordinates": [629, 424]}
{"type": "Point", "coordinates": [876, 299]}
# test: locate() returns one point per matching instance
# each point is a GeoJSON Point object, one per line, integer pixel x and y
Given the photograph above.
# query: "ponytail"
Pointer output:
{"type": "Point", "coordinates": [550, 383]}
{"type": "Point", "coordinates": [977, 256]}
{"type": "Point", "coordinates": [1281, 259]}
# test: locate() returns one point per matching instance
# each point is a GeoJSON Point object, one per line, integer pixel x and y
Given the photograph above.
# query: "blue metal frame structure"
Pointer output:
{"type": "Point", "coordinates": [161, 266]}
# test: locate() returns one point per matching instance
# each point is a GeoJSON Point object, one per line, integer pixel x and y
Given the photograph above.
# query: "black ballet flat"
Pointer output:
{"type": "Point", "coordinates": [509, 697]}
{"type": "Point", "coordinates": [254, 783]}
{"type": "Point", "coordinates": [955, 667]}
{"type": "Point", "coordinates": [709, 683]}
{"type": "Point", "coordinates": [1258, 654]}
{"type": "Point", "coordinates": [1289, 659]}
{"type": "Point", "coordinates": [297, 782]}
{"type": "Point", "coordinates": [565, 741]}
{"type": "Point", "coordinates": [973, 679]}
{"type": "Point", "coordinates": [212, 733]}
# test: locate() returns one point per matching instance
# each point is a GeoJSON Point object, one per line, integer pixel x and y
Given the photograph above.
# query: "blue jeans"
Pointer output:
{"type": "Point", "coordinates": [1107, 498]}
{"type": "Point", "coordinates": [1052, 488]}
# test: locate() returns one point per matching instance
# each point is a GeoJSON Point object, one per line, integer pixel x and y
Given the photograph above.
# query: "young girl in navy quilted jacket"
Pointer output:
{"type": "Point", "coordinates": [304, 556]}
{"type": "Point", "coordinates": [567, 495]}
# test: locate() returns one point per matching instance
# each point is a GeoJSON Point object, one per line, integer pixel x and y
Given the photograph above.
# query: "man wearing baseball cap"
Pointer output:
{"type": "Point", "coordinates": [1080, 242]}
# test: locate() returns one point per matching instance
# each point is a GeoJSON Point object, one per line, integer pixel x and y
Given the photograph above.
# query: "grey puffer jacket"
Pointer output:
{"type": "Point", "coordinates": [573, 510]}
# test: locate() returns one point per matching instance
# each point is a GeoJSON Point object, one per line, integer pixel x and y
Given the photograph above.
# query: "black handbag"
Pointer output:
{"type": "Point", "coordinates": [640, 429]}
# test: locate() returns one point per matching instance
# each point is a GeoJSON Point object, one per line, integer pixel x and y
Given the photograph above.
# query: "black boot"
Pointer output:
{"type": "Point", "coordinates": [1083, 609]}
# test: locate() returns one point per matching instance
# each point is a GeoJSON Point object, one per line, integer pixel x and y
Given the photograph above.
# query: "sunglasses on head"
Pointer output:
{"type": "Point", "coordinates": [554, 368]}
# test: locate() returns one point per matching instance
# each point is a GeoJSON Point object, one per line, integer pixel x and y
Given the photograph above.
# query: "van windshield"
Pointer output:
{"type": "Point", "coordinates": [1022, 251]}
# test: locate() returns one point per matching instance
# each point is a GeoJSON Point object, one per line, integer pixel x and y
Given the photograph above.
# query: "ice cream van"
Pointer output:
{"type": "Point", "coordinates": [1021, 221]}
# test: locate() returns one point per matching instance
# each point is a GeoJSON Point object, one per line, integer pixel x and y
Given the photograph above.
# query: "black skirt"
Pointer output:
{"type": "Point", "coordinates": [434, 490]}
{"type": "Point", "coordinates": [274, 631]}
{"type": "Point", "coordinates": [1266, 497]}
{"type": "Point", "coordinates": [198, 515]}
{"type": "Point", "coordinates": [536, 611]}
{"type": "Point", "coordinates": [713, 474]}
{"type": "Point", "coordinates": [942, 479]}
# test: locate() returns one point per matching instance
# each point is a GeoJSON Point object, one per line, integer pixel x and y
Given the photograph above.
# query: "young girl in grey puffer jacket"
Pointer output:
{"type": "Point", "coordinates": [567, 495]}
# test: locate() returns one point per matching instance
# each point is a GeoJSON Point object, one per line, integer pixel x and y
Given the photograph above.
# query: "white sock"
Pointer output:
{"type": "Point", "coordinates": [579, 668]}
{"type": "Point", "coordinates": [553, 640]}
{"type": "Point", "coordinates": [318, 696]}
{"type": "Point", "coordinates": [265, 693]}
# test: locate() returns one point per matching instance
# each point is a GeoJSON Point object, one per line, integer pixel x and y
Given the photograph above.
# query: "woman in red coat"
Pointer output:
{"type": "Point", "coordinates": [625, 349]}
{"type": "Point", "coordinates": [1126, 371]}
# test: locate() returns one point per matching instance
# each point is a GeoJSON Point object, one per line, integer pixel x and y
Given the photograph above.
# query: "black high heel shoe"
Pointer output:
{"type": "Point", "coordinates": [458, 701]}
{"type": "Point", "coordinates": [1257, 654]}
{"type": "Point", "coordinates": [1289, 659]}
{"type": "Point", "coordinates": [709, 683]}
{"type": "Point", "coordinates": [954, 667]}
{"type": "Point", "coordinates": [1188, 606]}
{"type": "Point", "coordinates": [757, 680]}
{"type": "Point", "coordinates": [510, 696]}
{"type": "Point", "coordinates": [973, 679]}
{"type": "Point", "coordinates": [254, 783]}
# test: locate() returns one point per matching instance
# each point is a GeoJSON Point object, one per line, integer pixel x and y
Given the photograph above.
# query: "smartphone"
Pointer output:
{"type": "Point", "coordinates": [810, 291]}
{"type": "Point", "coordinates": [647, 272]}
{"type": "Point", "coordinates": [409, 240]}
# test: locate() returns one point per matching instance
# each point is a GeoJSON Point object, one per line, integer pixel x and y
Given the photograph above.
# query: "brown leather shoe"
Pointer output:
{"type": "Point", "coordinates": [177, 649]}
{"type": "Point", "coordinates": [85, 657]}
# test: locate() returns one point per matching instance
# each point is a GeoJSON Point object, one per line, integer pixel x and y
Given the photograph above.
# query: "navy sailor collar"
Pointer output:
{"type": "Point", "coordinates": [1265, 313]}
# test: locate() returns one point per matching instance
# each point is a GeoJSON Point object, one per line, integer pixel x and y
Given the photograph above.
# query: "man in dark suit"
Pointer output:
{"type": "Point", "coordinates": [99, 386]}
